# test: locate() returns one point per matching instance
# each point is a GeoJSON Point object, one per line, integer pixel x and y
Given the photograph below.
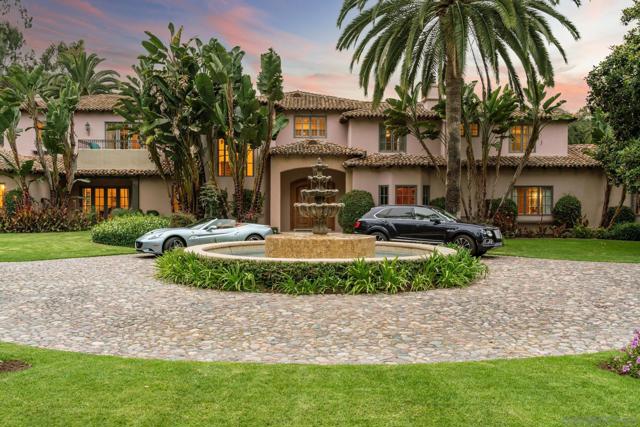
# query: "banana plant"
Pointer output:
{"type": "Point", "coordinates": [17, 169]}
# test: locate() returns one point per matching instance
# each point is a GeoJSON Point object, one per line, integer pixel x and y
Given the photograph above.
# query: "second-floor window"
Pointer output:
{"type": "Point", "coordinates": [533, 200]}
{"type": "Point", "coordinates": [519, 138]}
{"type": "Point", "coordinates": [310, 126]}
{"type": "Point", "coordinates": [120, 135]}
{"type": "Point", "coordinates": [475, 130]}
{"type": "Point", "coordinates": [224, 164]}
{"type": "Point", "coordinates": [389, 142]}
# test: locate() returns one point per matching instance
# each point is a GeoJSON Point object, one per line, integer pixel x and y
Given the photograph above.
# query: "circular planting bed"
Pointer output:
{"type": "Point", "coordinates": [396, 267]}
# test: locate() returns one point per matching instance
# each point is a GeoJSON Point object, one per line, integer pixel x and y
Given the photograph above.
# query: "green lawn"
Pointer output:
{"type": "Point", "coordinates": [41, 246]}
{"type": "Point", "coordinates": [70, 389]}
{"type": "Point", "coordinates": [572, 249]}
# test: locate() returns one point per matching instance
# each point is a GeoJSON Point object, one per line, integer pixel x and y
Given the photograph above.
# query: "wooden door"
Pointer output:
{"type": "Point", "coordinates": [298, 222]}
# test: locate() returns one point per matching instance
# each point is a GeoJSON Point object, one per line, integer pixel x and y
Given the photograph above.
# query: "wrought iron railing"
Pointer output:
{"type": "Point", "coordinates": [109, 144]}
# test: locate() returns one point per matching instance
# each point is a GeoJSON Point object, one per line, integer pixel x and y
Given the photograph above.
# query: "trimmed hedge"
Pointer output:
{"type": "Point", "coordinates": [627, 231]}
{"type": "Point", "coordinates": [357, 277]}
{"type": "Point", "coordinates": [356, 204]}
{"type": "Point", "coordinates": [567, 211]}
{"type": "Point", "coordinates": [626, 215]}
{"type": "Point", "coordinates": [124, 230]}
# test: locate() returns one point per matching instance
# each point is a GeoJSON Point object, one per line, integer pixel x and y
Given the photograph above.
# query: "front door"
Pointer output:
{"type": "Point", "coordinates": [298, 222]}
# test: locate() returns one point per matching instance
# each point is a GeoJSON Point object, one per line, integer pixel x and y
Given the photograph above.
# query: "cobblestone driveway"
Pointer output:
{"type": "Point", "coordinates": [525, 307]}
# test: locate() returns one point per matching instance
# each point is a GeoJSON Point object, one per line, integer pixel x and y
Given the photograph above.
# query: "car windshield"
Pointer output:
{"type": "Point", "coordinates": [198, 225]}
{"type": "Point", "coordinates": [447, 216]}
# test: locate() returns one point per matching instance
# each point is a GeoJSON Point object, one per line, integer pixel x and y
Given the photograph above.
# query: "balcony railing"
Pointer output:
{"type": "Point", "coordinates": [108, 144]}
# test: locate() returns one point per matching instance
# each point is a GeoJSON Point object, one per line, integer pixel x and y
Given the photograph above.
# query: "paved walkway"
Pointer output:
{"type": "Point", "coordinates": [526, 307]}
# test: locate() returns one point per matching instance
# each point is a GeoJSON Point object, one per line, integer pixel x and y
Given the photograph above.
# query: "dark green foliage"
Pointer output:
{"type": "Point", "coordinates": [181, 219]}
{"type": "Point", "coordinates": [247, 196]}
{"type": "Point", "coordinates": [213, 202]}
{"type": "Point", "coordinates": [627, 231]}
{"type": "Point", "coordinates": [581, 130]}
{"type": "Point", "coordinates": [121, 212]}
{"type": "Point", "coordinates": [567, 211]}
{"type": "Point", "coordinates": [356, 204]}
{"type": "Point", "coordinates": [389, 276]}
{"type": "Point", "coordinates": [12, 200]}
{"type": "Point", "coordinates": [153, 212]}
{"type": "Point", "coordinates": [438, 202]}
{"type": "Point", "coordinates": [626, 215]}
{"type": "Point", "coordinates": [506, 217]}
{"type": "Point", "coordinates": [124, 230]}
{"type": "Point", "coordinates": [37, 219]}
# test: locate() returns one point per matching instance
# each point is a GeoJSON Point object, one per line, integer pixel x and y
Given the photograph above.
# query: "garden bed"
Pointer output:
{"type": "Point", "coordinates": [356, 277]}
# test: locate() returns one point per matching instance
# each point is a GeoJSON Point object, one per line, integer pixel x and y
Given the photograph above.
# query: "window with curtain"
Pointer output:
{"type": "Point", "coordinates": [389, 142]}
{"type": "Point", "coordinates": [224, 165]}
{"type": "Point", "coordinates": [311, 125]}
{"type": "Point", "coordinates": [519, 138]}
{"type": "Point", "coordinates": [406, 195]}
{"type": "Point", "coordinates": [533, 200]}
{"type": "Point", "coordinates": [383, 195]}
{"type": "Point", "coordinates": [475, 130]}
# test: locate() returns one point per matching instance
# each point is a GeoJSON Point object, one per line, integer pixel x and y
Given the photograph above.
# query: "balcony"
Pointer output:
{"type": "Point", "coordinates": [109, 144]}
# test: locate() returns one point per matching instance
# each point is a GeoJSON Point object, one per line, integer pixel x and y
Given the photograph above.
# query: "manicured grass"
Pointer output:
{"type": "Point", "coordinates": [42, 246]}
{"type": "Point", "coordinates": [69, 389]}
{"type": "Point", "coordinates": [572, 249]}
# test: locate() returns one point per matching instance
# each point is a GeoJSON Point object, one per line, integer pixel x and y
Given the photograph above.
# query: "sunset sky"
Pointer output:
{"type": "Point", "coordinates": [304, 32]}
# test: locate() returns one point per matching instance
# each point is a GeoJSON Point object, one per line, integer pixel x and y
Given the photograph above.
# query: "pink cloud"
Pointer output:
{"type": "Point", "coordinates": [84, 6]}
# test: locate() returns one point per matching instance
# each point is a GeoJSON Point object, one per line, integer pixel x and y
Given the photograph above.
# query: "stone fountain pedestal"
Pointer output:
{"type": "Point", "coordinates": [328, 246]}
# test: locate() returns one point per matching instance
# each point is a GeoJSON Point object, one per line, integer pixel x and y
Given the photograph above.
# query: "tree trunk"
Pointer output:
{"type": "Point", "coordinates": [41, 158]}
{"type": "Point", "coordinates": [453, 113]}
{"type": "Point", "coordinates": [264, 158]}
{"type": "Point", "coordinates": [615, 215]}
{"type": "Point", "coordinates": [70, 161]}
{"type": "Point", "coordinates": [605, 204]}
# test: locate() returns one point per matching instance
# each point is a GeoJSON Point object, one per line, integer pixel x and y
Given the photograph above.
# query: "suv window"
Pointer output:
{"type": "Point", "coordinates": [405, 213]}
{"type": "Point", "coordinates": [427, 214]}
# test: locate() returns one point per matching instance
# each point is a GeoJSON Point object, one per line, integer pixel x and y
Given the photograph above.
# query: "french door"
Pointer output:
{"type": "Point", "coordinates": [103, 200]}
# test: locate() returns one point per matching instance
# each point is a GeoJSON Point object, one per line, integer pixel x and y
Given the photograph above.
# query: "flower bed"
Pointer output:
{"type": "Point", "coordinates": [299, 278]}
{"type": "Point", "coordinates": [628, 362]}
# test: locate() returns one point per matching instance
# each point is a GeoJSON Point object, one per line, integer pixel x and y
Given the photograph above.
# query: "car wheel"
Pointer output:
{"type": "Point", "coordinates": [172, 243]}
{"type": "Point", "coordinates": [467, 242]}
{"type": "Point", "coordinates": [253, 238]}
{"type": "Point", "coordinates": [380, 236]}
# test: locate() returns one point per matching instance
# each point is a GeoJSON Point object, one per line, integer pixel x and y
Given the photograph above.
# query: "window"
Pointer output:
{"type": "Point", "coordinates": [475, 130]}
{"type": "Point", "coordinates": [224, 165]}
{"type": "Point", "coordinates": [390, 142]}
{"type": "Point", "coordinates": [426, 194]}
{"type": "Point", "coordinates": [310, 126]}
{"type": "Point", "coordinates": [533, 200]}
{"type": "Point", "coordinates": [406, 213]}
{"type": "Point", "coordinates": [426, 214]}
{"type": "Point", "coordinates": [405, 194]}
{"type": "Point", "coordinates": [2, 190]}
{"type": "Point", "coordinates": [383, 195]}
{"type": "Point", "coordinates": [119, 135]}
{"type": "Point", "coordinates": [103, 200]}
{"type": "Point", "coordinates": [519, 138]}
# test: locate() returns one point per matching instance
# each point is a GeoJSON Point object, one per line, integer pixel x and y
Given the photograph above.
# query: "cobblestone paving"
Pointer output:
{"type": "Point", "coordinates": [525, 307]}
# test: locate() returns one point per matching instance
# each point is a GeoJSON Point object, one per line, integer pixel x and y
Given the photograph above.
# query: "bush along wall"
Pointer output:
{"type": "Point", "coordinates": [567, 211]}
{"type": "Point", "coordinates": [357, 277]}
{"type": "Point", "coordinates": [356, 204]}
{"type": "Point", "coordinates": [125, 229]}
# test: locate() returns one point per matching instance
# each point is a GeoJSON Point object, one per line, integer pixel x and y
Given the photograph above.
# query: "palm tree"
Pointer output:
{"type": "Point", "coordinates": [425, 40]}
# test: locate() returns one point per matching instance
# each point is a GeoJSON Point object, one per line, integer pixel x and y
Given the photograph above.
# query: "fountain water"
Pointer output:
{"type": "Point", "coordinates": [315, 204]}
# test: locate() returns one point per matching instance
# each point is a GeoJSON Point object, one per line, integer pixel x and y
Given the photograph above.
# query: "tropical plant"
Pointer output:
{"type": "Point", "coordinates": [43, 219]}
{"type": "Point", "coordinates": [18, 169]}
{"type": "Point", "coordinates": [428, 39]}
{"type": "Point", "coordinates": [356, 204]}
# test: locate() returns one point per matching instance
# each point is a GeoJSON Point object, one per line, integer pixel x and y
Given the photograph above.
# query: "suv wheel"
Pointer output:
{"type": "Point", "coordinates": [467, 242]}
{"type": "Point", "coordinates": [380, 236]}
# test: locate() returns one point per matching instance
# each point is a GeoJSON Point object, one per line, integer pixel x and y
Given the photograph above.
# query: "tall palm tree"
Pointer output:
{"type": "Point", "coordinates": [429, 40]}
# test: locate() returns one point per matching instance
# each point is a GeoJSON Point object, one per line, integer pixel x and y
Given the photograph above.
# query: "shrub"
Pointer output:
{"type": "Point", "coordinates": [628, 361]}
{"type": "Point", "coordinates": [626, 215]}
{"type": "Point", "coordinates": [388, 276]}
{"type": "Point", "coordinates": [36, 219]}
{"type": "Point", "coordinates": [506, 217]}
{"type": "Point", "coordinates": [153, 212]}
{"type": "Point", "coordinates": [213, 202]}
{"type": "Point", "coordinates": [247, 196]}
{"type": "Point", "coordinates": [356, 204]}
{"type": "Point", "coordinates": [567, 211]}
{"type": "Point", "coordinates": [124, 230]}
{"type": "Point", "coordinates": [12, 200]}
{"type": "Point", "coordinates": [121, 212]}
{"type": "Point", "coordinates": [438, 202]}
{"type": "Point", "coordinates": [627, 231]}
{"type": "Point", "coordinates": [181, 219]}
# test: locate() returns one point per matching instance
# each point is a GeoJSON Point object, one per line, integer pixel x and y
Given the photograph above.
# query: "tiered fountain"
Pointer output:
{"type": "Point", "coordinates": [319, 243]}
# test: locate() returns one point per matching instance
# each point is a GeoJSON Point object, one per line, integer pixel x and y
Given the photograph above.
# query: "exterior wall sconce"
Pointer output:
{"type": "Point", "coordinates": [87, 127]}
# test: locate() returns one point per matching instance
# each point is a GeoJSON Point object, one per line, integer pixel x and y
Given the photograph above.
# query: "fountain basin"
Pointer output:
{"type": "Point", "coordinates": [308, 245]}
{"type": "Point", "coordinates": [255, 251]}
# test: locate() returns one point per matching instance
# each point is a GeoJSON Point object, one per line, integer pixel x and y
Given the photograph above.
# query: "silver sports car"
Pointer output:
{"type": "Point", "coordinates": [204, 231]}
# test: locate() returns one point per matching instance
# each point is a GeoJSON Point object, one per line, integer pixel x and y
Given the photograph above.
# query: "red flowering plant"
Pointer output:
{"type": "Point", "coordinates": [628, 361]}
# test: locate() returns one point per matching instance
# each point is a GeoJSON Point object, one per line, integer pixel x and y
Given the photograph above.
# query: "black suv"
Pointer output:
{"type": "Point", "coordinates": [427, 224]}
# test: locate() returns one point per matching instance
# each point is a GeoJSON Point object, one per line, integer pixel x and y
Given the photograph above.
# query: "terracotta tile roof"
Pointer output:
{"type": "Point", "coordinates": [378, 113]}
{"type": "Point", "coordinates": [93, 103]}
{"type": "Point", "coordinates": [312, 147]}
{"type": "Point", "coordinates": [577, 157]}
{"type": "Point", "coordinates": [558, 116]}
{"type": "Point", "coordinates": [306, 101]}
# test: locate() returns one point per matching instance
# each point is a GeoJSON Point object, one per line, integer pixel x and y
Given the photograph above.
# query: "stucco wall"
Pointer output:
{"type": "Point", "coordinates": [365, 134]}
{"type": "Point", "coordinates": [370, 179]}
{"type": "Point", "coordinates": [153, 195]}
{"type": "Point", "coordinates": [336, 131]}
{"type": "Point", "coordinates": [115, 159]}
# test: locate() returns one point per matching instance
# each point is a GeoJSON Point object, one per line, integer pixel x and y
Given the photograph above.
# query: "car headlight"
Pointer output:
{"type": "Point", "coordinates": [488, 233]}
{"type": "Point", "coordinates": [152, 236]}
